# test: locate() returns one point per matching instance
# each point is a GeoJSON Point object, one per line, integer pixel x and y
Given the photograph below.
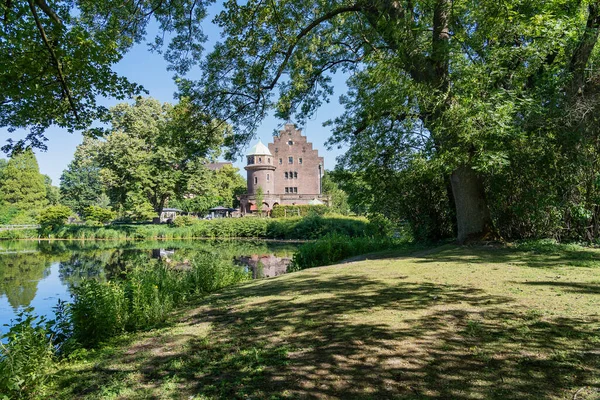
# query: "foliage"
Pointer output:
{"type": "Point", "coordinates": [335, 247]}
{"type": "Point", "coordinates": [57, 57]}
{"type": "Point", "coordinates": [101, 310]}
{"type": "Point", "coordinates": [22, 184]}
{"type": "Point", "coordinates": [440, 93]}
{"type": "Point", "coordinates": [211, 188]}
{"type": "Point", "coordinates": [152, 152]}
{"type": "Point", "coordinates": [26, 357]}
{"type": "Point", "coordinates": [338, 197]}
{"type": "Point", "coordinates": [185, 220]}
{"type": "Point", "coordinates": [53, 217]}
{"type": "Point", "coordinates": [259, 198]}
{"type": "Point", "coordinates": [52, 192]}
{"type": "Point", "coordinates": [309, 227]}
{"type": "Point", "coordinates": [99, 214]}
{"type": "Point", "coordinates": [289, 211]}
{"type": "Point", "coordinates": [80, 184]}
{"type": "Point", "coordinates": [7, 213]}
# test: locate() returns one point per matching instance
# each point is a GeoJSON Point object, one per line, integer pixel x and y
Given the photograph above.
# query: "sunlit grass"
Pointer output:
{"type": "Point", "coordinates": [455, 322]}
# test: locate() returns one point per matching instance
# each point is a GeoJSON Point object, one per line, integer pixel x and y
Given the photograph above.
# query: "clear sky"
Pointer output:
{"type": "Point", "coordinates": [150, 70]}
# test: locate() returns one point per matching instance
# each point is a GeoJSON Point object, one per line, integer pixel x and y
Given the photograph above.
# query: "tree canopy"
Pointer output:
{"type": "Point", "coordinates": [442, 93]}
{"type": "Point", "coordinates": [152, 151]}
{"type": "Point", "coordinates": [56, 57]}
{"type": "Point", "coordinates": [22, 185]}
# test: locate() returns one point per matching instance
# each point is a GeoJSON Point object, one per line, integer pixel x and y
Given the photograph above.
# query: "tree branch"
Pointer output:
{"type": "Point", "coordinates": [48, 11]}
{"type": "Point", "coordinates": [584, 49]}
{"type": "Point", "coordinates": [303, 33]}
{"type": "Point", "coordinates": [61, 77]}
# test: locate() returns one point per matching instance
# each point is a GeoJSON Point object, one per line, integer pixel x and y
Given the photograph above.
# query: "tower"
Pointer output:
{"type": "Point", "coordinates": [260, 167]}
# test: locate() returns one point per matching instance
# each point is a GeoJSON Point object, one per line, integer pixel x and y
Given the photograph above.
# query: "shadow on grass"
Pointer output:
{"type": "Point", "coordinates": [351, 337]}
{"type": "Point", "coordinates": [545, 257]}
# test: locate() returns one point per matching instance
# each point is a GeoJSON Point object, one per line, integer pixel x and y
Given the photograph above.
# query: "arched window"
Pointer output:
{"type": "Point", "coordinates": [286, 175]}
{"type": "Point", "coordinates": [295, 175]}
{"type": "Point", "coordinates": [255, 180]}
{"type": "Point", "coordinates": [268, 177]}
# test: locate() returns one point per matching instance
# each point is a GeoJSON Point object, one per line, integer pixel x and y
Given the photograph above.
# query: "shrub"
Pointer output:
{"type": "Point", "coordinates": [335, 247]}
{"type": "Point", "coordinates": [99, 214]}
{"type": "Point", "coordinates": [145, 297]}
{"type": "Point", "coordinates": [53, 217]}
{"type": "Point", "coordinates": [280, 211]}
{"type": "Point", "coordinates": [185, 220]}
{"type": "Point", "coordinates": [27, 357]}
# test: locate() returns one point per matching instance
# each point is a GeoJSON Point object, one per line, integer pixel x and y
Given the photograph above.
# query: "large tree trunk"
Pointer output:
{"type": "Point", "coordinates": [472, 214]}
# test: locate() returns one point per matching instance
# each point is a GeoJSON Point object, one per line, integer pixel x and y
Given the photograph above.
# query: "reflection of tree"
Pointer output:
{"type": "Point", "coordinates": [82, 266]}
{"type": "Point", "coordinates": [19, 276]}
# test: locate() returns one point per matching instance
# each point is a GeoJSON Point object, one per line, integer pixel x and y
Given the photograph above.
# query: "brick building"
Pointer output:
{"type": "Point", "coordinates": [289, 171]}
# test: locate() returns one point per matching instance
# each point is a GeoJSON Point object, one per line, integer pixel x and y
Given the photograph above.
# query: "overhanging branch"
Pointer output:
{"type": "Point", "coordinates": [57, 63]}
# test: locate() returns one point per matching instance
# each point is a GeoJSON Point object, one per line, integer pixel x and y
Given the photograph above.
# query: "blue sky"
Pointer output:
{"type": "Point", "coordinates": [150, 70]}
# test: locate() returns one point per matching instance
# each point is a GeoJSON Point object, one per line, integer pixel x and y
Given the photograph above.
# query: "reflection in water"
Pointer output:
{"type": "Point", "coordinates": [265, 266]}
{"type": "Point", "coordinates": [19, 276]}
{"type": "Point", "coordinates": [39, 273]}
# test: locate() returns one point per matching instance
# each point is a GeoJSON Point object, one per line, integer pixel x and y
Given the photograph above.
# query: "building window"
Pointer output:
{"type": "Point", "coordinates": [300, 160]}
{"type": "Point", "coordinates": [295, 175]}
{"type": "Point", "coordinates": [290, 160]}
{"type": "Point", "coordinates": [260, 160]}
{"type": "Point", "coordinates": [290, 142]}
{"type": "Point", "coordinates": [295, 190]}
{"type": "Point", "coordinates": [280, 161]}
{"type": "Point", "coordinates": [250, 160]}
{"type": "Point", "coordinates": [276, 149]}
{"type": "Point", "coordinates": [268, 177]}
{"type": "Point", "coordinates": [287, 189]}
{"type": "Point", "coordinates": [255, 180]}
{"type": "Point", "coordinates": [286, 175]}
{"type": "Point", "coordinates": [269, 160]}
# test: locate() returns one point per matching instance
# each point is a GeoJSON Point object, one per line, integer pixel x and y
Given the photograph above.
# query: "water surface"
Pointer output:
{"type": "Point", "coordinates": [38, 274]}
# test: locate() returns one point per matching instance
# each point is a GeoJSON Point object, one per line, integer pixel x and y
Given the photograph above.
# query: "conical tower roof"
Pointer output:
{"type": "Point", "coordinates": [259, 149]}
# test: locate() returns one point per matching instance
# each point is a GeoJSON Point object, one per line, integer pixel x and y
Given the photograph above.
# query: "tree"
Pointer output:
{"type": "Point", "coordinates": [339, 198]}
{"type": "Point", "coordinates": [152, 151]}
{"type": "Point", "coordinates": [56, 57]}
{"type": "Point", "coordinates": [440, 84]}
{"type": "Point", "coordinates": [80, 184]}
{"type": "Point", "coordinates": [259, 197]}
{"type": "Point", "coordinates": [22, 184]}
{"type": "Point", "coordinates": [53, 217]}
{"type": "Point", "coordinates": [210, 188]}
{"type": "Point", "coordinates": [52, 192]}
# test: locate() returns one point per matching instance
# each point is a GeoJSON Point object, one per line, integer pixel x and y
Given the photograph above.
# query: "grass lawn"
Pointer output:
{"type": "Point", "coordinates": [453, 323]}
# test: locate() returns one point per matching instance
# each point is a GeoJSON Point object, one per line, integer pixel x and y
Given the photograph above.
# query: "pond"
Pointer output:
{"type": "Point", "coordinates": [38, 274]}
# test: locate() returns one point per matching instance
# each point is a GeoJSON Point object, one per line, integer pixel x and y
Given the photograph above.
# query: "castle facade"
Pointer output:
{"type": "Point", "coordinates": [289, 172]}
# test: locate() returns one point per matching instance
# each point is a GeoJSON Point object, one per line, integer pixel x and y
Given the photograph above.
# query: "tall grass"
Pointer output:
{"type": "Point", "coordinates": [309, 227]}
{"type": "Point", "coordinates": [336, 247]}
{"type": "Point", "coordinates": [101, 310]}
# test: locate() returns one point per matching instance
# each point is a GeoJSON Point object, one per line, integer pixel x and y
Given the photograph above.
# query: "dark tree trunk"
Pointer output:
{"type": "Point", "coordinates": [472, 214]}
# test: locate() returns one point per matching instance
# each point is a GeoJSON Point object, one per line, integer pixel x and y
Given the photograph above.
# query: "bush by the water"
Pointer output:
{"type": "Point", "coordinates": [310, 227]}
{"type": "Point", "coordinates": [101, 310]}
{"type": "Point", "coordinates": [26, 358]}
{"type": "Point", "coordinates": [53, 217]}
{"type": "Point", "coordinates": [335, 247]}
{"type": "Point", "coordinates": [142, 299]}
{"type": "Point", "coordinates": [302, 210]}
{"type": "Point", "coordinates": [99, 214]}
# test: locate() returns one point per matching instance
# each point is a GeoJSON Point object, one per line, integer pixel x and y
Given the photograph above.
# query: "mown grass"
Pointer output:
{"type": "Point", "coordinates": [451, 322]}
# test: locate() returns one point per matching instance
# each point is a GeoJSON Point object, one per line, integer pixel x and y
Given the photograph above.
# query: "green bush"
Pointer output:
{"type": "Point", "coordinates": [27, 358]}
{"type": "Point", "coordinates": [145, 297]}
{"type": "Point", "coordinates": [99, 214]}
{"type": "Point", "coordinates": [280, 211]}
{"type": "Point", "coordinates": [336, 247]}
{"type": "Point", "coordinates": [185, 220]}
{"type": "Point", "coordinates": [53, 217]}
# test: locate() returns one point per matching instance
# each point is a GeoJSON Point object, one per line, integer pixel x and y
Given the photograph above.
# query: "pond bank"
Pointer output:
{"type": "Point", "coordinates": [459, 322]}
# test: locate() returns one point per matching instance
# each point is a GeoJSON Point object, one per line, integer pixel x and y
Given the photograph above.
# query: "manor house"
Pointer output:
{"type": "Point", "coordinates": [289, 171]}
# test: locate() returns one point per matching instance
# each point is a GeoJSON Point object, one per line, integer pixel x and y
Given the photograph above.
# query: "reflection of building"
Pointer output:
{"type": "Point", "coordinates": [289, 171]}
